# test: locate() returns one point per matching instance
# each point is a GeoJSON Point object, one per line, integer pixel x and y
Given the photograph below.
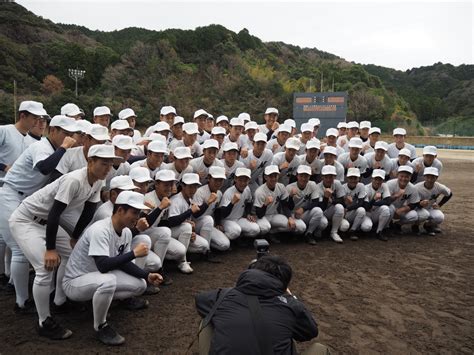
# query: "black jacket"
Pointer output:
{"type": "Point", "coordinates": [285, 317]}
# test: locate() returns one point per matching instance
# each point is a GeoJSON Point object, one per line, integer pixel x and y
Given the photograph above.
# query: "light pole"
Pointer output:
{"type": "Point", "coordinates": [76, 75]}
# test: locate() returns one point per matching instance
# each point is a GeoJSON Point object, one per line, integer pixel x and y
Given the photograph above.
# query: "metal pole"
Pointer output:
{"type": "Point", "coordinates": [322, 76]}
{"type": "Point", "coordinates": [76, 86]}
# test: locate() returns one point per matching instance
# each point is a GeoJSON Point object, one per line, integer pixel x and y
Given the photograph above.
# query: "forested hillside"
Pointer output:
{"type": "Point", "coordinates": [210, 67]}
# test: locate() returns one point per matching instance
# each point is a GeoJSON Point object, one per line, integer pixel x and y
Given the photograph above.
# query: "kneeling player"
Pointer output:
{"type": "Point", "coordinates": [100, 267]}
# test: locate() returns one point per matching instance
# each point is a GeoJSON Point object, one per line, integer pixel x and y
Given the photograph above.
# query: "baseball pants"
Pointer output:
{"type": "Point", "coordinates": [277, 223]}
{"type": "Point", "coordinates": [150, 262]}
{"type": "Point", "coordinates": [412, 217]}
{"type": "Point", "coordinates": [380, 216]}
{"type": "Point", "coordinates": [183, 234]}
{"type": "Point", "coordinates": [160, 240]}
{"type": "Point", "coordinates": [335, 213]}
{"type": "Point", "coordinates": [358, 220]}
{"type": "Point", "coordinates": [215, 238]}
{"type": "Point", "coordinates": [436, 216]}
{"type": "Point", "coordinates": [234, 228]}
{"type": "Point", "coordinates": [313, 219]}
{"type": "Point", "coordinates": [31, 238]}
{"type": "Point", "coordinates": [102, 289]}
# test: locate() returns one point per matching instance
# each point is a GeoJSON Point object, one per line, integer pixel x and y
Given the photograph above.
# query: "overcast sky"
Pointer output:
{"type": "Point", "coordinates": [396, 34]}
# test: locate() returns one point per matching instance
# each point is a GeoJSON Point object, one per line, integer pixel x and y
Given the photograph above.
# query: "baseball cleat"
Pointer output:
{"type": "Point", "coordinates": [185, 268]}
{"type": "Point", "coordinates": [52, 330]}
{"type": "Point", "coordinates": [135, 303]}
{"type": "Point", "coordinates": [151, 290]}
{"type": "Point", "coordinates": [336, 238]}
{"type": "Point", "coordinates": [28, 308]}
{"type": "Point", "coordinates": [107, 335]}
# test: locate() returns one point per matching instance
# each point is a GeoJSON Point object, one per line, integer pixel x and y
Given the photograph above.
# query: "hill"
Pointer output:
{"type": "Point", "coordinates": [210, 67]}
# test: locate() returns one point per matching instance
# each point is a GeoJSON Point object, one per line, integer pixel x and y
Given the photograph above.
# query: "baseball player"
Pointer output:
{"type": "Point", "coordinates": [202, 164]}
{"type": "Point", "coordinates": [180, 215]}
{"type": "Point", "coordinates": [30, 172]}
{"type": "Point", "coordinates": [277, 144]}
{"type": "Point", "coordinates": [219, 133]}
{"type": "Point", "coordinates": [34, 226]}
{"type": "Point", "coordinates": [177, 128]}
{"type": "Point", "coordinates": [304, 194]}
{"type": "Point", "coordinates": [102, 116]}
{"type": "Point", "coordinates": [353, 159]}
{"type": "Point", "coordinates": [209, 123]}
{"type": "Point", "coordinates": [364, 128]}
{"type": "Point", "coordinates": [272, 206]}
{"type": "Point", "coordinates": [331, 201]}
{"type": "Point", "coordinates": [355, 202]}
{"type": "Point", "coordinates": [167, 114]}
{"type": "Point", "coordinates": [394, 148]}
{"type": "Point", "coordinates": [73, 111]}
{"type": "Point", "coordinates": [379, 200]}
{"type": "Point", "coordinates": [83, 128]}
{"type": "Point", "coordinates": [37, 131]}
{"type": "Point", "coordinates": [235, 135]}
{"type": "Point", "coordinates": [129, 115]}
{"type": "Point", "coordinates": [305, 137]}
{"type": "Point", "coordinates": [208, 198]}
{"type": "Point", "coordinates": [330, 158]}
{"type": "Point", "coordinates": [377, 159]}
{"type": "Point", "coordinates": [100, 267]}
{"type": "Point", "coordinates": [351, 132]}
{"type": "Point", "coordinates": [190, 132]}
{"type": "Point", "coordinates": [234, 213]}
{"type": "Point", "coordinates": [271, 122]}
{"type": "Point", "coordinates": [120, 127]}
{"type": "Point", "coordinates": [405, 201]}
{"type": "Point", "coordinates": [310, 158]}
{"type": "Point", "coordinates": [316, 123]}
{"type": "Point", "coordinates": [123, 147]}
{"type": "Point", "coordinates": [287, 161]}
{"type": "Point", "coordinates": [155, 155]}
{"type": "Point", "coordinates": [292, 124]}
{"type": "Point", "coordinates": [251, 129]}
{"type": "Point", "coordinates": [141, 179]}
{"type": "Point", "coordinates": [331, 141]}
{"type": "Point", "coordinates": [429, 192]}
{"type": "Point", "coordinates": [342, 129]}
{"type": "Point", "coordinates": [200, 116]}
{"type": "Point", "coordinates": [231, 163]}
{"type": "Point", "coordinates": [257, 159]}
{"type": "Point", "coordinates": [180, 164]}
{"type": "Point", "coordinates": [374, 136]}
{"type": "Point", "coordinates": [403, 159]}
{"type": "Point", "coordinates": [428, 160]}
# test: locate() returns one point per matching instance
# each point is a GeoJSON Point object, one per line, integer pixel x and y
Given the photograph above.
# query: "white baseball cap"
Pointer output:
{"type": "Point", "coordinates": [209, 116]}
{"type": "Point", "coordinates": [157, 137]}
{"type": "Point", "coordinates": [235, 121]}
{"type": "Point", "coordinates": [352, 124]}
{"type": "Point", "coordinates": [399, 132]}
{"type": "Point", "coordinates": [381, 145]}
{"type": "Point", "coordinates": [314, 122]}
{"type": "Point", "coordinates": [64, 122]}
{"type": "Point", "coordinates": [132, 199]}
{"type": "Point", "coordinates": [222, 118]}
{"type": "Point", "coordinates": [271, 169]}
{"type": "Point", "coordinates": [126, 113]}
{"type": "Point", "coordinates": [230, 146]}
{"type": "Point", "coordinates": [355, 142]}
{"type": "Point", "coordinates": [244, 116]}
{"type": "Point", "coordinates": [190, 179]}
{"type": "Point", "coordinates": [71, 109]}
{"type": "Point", "coordinates": [190, 128]}
{"type": "Point", "coordinates": [242, 172]}
{"type": "Point", "coordinates": [373, 130]}
{"type": "Point", "coordinates": [98, 132]}
{"type": "Point", "coordinates": [270, 110]}
{"type": "Point", "coordinates": [290, 122]}
{"type": "Point", "coordinates": [251, 125]}
{"type": "Point", "coordinates": [140, 174]}
{"type": "Point", "coordinates": [378, 173]}
{"type": "Point", "coordinates": [166, 110]}
{"type": "Point", "coordinates": [34, 107]}
{"type": "Point", "coordinates": [157, 147]}
{"type": "Point", "coordinates": [353, 172]}
{"type": "Point", "coordinates": [218, 130]}
{"type": "Point", "coordinates": [365, 124]}
{"type": "Point", "coordinates": [304, 169]}
{"type": "Point", "coordinates": [260, 137]}
{"type": "Point", "coordinates": [431, 171]}
{"type": "Point", "coordinates": [102, 110]}
{"type": "Point", "coordinates": [313, 143]}
{"type": "Point", "coordinates": [105, 151]}
{"type": "Point", "coordinates": [123, 142]}
{"type": "Point", "coordinates": [293, 143]}
{"type": "Point", "coordinates": [83, 125]}
{"type": "Point", "coordinates": [120, 125]}
{"type": "Point", "coordinates": [178, 120]}
{"type": "Point", "coordinates": [122, 182]}
{"type": "Point", "coordinates": [210, 143]}
{"type": "Point", "coordinates": [328, 170]}
{"type": "Point", "coordinates": [284, 128]}
{"type": "Point", "coordinates": [165, 175]}
{"type": "Point", "coordinates": [182, 153]}
{"type": "Point", "coordinates": [342, 125]}
{"type": "Point", "coordinates": [332, 132]}
{"type": "Point", "coordinates": [200, 112]}
{"type": "Point", "coordinates": [330, 150]}
{"type": "Point", "coordinates": [217, 172]}
{"type": "Point", "coordinates": [430, 150]}
{"type": "Point", "coordinates": [406, 152]}
{"type": "Point", "coordinates": [161, 126]}
{"type": "Point", "coordinates": [306, 127]}
{"type": "Point", "coordinates": [405, 168]}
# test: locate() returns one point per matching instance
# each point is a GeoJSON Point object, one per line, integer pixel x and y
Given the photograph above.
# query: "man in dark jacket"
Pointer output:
{"type": "Point", "coordinates": [239, 328]}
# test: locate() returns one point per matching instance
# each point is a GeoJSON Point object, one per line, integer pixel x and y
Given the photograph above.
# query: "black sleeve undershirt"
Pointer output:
{"type": "Point", "coordinates": [85, 218]}
{"type": "Point", "coordinates": [177, 220]}
{"type": "Point", "coordinates": [53, 224]}
{"type": "Point", "coordinates": [48, 165]}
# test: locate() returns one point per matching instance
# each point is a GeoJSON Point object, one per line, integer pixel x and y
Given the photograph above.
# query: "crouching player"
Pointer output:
{"type": "Point", "coordinates": [100, 267]}
{"type": "Point", "coordinates": [429, 192]}
{"type": "Point", "coordinates": [379, 200]}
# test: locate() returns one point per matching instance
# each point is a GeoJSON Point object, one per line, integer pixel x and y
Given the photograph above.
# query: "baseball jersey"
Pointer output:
{"type": "Point", "coordinates": [172, 167]}
{"type": "Point", "coordinates": [12, 144]}
{"type": "Point", "coordinates": [122, 169]}
{"type": "Point", "coordinates": [240, 142]}
{"type": "Point", "coordinates": [347, 162]}
{"type": "Point", "coordinates": [137, 136]}
{"type": "Point", "coordinates": [196, 149]}
{"type": "Point", "coordinates": [340, 173]}
{"type": "Point", "coordinates": [302, 196]}
{"type": "Point", "coordinates": [316, 165]}
{"type": "Point", "coordinates": [23, 175]}
{"type": "Point", "coordinates": [246, 142]}
{"type": "Point", "coordinates": [178, 206]}
{"type": "Point", "coordinates": [263, 129]}
{"type": "Point", "coordinates": [337, 190]}
{"type": "Point", "coordinates": [144, 164]}
{"type": "Point", "coordinates": [262, 162]}
{"type": "Point", "coordinates": [384, 164]}
{"type": "Point", "coordinates": [99, 239]}
{"type": "Point", "coordinates": [202, 195]}
{"type": "Point", "coordinates": [393, 150]}
{"type": "Point", "coordinates": [104, 211]}
{"type": "Point", "coordinates": [238, 210]}
{"type": "Point", "coordinates": [275, 146]}
{"type": "Point", "coordinates": [396, 164]}
{"type": "Point", "coordinates": [203, 136]}
{"type": "Point", "coordinates": [420, 161]}
{"type": "Point", "coordinates": [199, 167]}
{"type": "Point", "coordinates": [432, 194]}
{"type": "Point", "coordinates": [230, 173]}
{"type": "Point", "coordinates": [73, 159]}
{"type": "Point", "coordinates": [278, 194]}
{"type": "Point", "coordinates": [152, 198]}
{"type": "Point", "coordinates": [410, 195]}
{"type": "Point", "coordinates": [358, 192]}
{"type": "Point", "coordinates": [367, 148]}
{"type": "Point", "coordinates": [383, 190]}
{"type": "Point", "coordinates": [285, 174]}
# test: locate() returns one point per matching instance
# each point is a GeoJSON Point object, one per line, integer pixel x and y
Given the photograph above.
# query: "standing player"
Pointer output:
{"type": "Point", "coordinates": [231, 163]}
{"type": "Point", "coordinates": [277, 144]}
{"type": "Point", "coordinates": [377, 159]}
{"type": "Point", "coordinates": [393, 149]}
{"type": "Point", "coordinates": [428, 160]}
{"type": "Point", "coordinates": [257, 160]}
{"type": "Point", "coordinates": [353, 159]}
{"type": "Point", "coordinates": [129, 115]}
{"type": "Point", "coordinates": [102, 116]}
{"type": "Point", "coordinates": [330, 158]}
{"type": "Point", "coordinates": [271, 122]}
{"type": "Point", "coordinates": [190, 132]}
{"type": "Point", "coordinates": [202, 164]}
{"type": "Point", "coordinates": [310, 158]}
{"type": "Point", "coordinates": [287, 161]}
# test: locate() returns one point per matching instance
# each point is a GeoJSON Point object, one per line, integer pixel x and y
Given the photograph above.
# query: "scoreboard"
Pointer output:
{"type": "Point", "coordinates": [329, 107]}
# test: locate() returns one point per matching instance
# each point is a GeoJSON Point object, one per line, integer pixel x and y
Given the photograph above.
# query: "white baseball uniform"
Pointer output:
{"type": "Point", "coordinates": [199, 167]}
{"type": "Point", "coordinates": [261, 162]}
{"type": "Point", "coordinates": [333, 211]}
{"type": "Point", "coordinates": [303, 198]}
{"type": "Point", "coordinates": [410, 196]}
{"type": "Point", "coordinates": [357, 217]}
{"type": "Point", "coordinates": [420, 171]}
{"type": "Point", "coordinates": [289, 172]}
{"type": "Point", "coordinates": [378, 212]}
{"type": "Point", "coordinates": [393, 150]}
{"type": "Point", "coordinates": [436, 216]}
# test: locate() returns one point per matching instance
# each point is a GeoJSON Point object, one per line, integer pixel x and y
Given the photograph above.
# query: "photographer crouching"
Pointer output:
{"type": "Point", "coordinates": [257, 316]}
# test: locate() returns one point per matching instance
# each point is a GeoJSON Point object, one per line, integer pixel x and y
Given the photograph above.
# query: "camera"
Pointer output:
{"type": "Point", "coordinates": [262, 247]}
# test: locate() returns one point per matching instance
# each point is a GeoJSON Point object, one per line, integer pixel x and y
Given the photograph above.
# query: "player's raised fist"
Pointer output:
{"type": "Point", "coordinates": [377, 196]}
{"type": "Point", "coordinates": [142, 224]}
{"type": "Point", "coordinates": [284, 165]}
{"type": "Point", "coordinates": [268, 200]}
{"type": "Point", "coordinates": [327, 193]}
{"type": "Point", "coordinates": [293, 191]}
{"type": "Point", "coordinates": [244, 152]}
{"type": "Point", "coordinates": [235, 198]}
{"type": "Point", "coordinates": [68, 142]}
{"type": "Point", "coordinates": [195, 208]}
{"type": "Point", "coordinates": [275, 126]}
{"type": "Point", "coordinates": [253, 164]}
{"type": "Point", "coordinates": [140, 250]}
{"type": "Point", "coordinates": [165, 202]}
{"type": "Point", "coordinates": [212, 198]}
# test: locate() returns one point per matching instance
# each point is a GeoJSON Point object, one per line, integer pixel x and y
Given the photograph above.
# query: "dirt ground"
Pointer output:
{"type": "Point", "coordinates": [407, 296]}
